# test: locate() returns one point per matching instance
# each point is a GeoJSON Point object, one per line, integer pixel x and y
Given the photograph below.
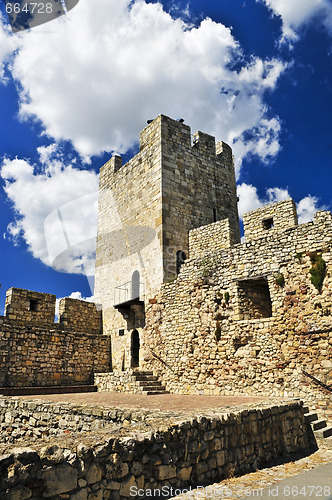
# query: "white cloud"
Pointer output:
{"type": "Point", "coordinates": [250, 200]}
{"type": "Point", "coordinates": [297, 13]}
{"type": "Point", "coordinates": [95, 76]}
{"type": "Point", "coordinates": [306, 209]}
{"type": "Point", "coordinates": [55, 211]}
{"type": "Point", "coordinates": [8, 44]}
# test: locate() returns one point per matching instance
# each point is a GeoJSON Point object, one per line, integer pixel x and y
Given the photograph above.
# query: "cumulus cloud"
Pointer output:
{"type": "Point", "coordinates": [96, 75]}
{"type": "Point", "coordinates": [55, 211]}
{"type": "Point", "coordinates": [250, 200]}
{"type": "Point", "coordinates": [297, 13]}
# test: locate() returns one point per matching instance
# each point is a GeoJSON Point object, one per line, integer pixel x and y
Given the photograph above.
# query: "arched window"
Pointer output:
{"type": "Point", "coordinates": [180, 258]}
{"type": "Point", "coordinates": [135, 282]}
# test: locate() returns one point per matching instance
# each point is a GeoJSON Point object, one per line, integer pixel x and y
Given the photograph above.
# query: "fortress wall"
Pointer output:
{"type": "Point", "coordinates": [275, 217]}
{"type": "Point", "coordinates": [198, 187]}
{"type": "Point", "coordinates": [33, 356]}
{"type": "Point", "coordinates": [212, 339]}
{"type": "Point", "coordinates": [26, 305]}
{"type": "Point", "coordinates": [80, 316]}
{"type": "Point", "coordinates": [209, 239]}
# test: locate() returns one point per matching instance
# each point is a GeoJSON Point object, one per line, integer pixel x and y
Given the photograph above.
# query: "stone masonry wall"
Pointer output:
{"type": "Point", "coordinates": [35, 351]}
{"type": "Point", "coordinates": [33, 356]}
{"type": "Point", "coordinates": [274, 217]}
{"type": "Point", "coordinates": [26, 305]}
{"type": "Point", "coordinates": [212, 237]}
{"type": "Point", "coordinates": [201, 335]}
{"type": "Point", "coordinates": [146, 209]}
{"type": "Point", "coordinates": [180, 454]}
{"type": "Point", "coordinates": [80, 316]}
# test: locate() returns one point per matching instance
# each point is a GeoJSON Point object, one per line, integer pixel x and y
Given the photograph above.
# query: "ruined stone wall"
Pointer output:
{"type": "Point", "coordinates": [180, 454]}
{"type": "Point", "coordinates": [202, 335]}
{"type": "Point", "coordinates": [80, 316]}
{"type": "Point", "coordinates": [274, 217]}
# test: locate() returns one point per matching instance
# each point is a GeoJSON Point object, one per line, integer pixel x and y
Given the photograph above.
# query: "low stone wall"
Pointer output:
{"type": "Point", "coordinates": [117, 381]}
{"type": "Point", "coordinates": [33, 356]}
{"type": "Point", "coordinates": [180, 454]}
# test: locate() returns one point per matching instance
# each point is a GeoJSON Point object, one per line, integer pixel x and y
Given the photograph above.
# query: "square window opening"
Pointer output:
{"type": "Point", "coordinates": [268, 223]}
{"type": "Point", "coordinates": [33, 305]}
{"type": "Point", "coordinates": [254, 299]}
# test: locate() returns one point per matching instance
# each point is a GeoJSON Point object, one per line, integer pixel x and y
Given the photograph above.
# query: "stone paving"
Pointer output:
{"type": "Point", "coordinates": [176, 402]}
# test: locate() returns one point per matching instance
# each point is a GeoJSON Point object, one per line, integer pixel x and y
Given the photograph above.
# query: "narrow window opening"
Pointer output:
{"type": "Point", "coordinates": [121, 332]}
{"type": "Point", "coordinates": [33, 306]}
{"type": "Point", "coordinates": [180, 258]}
{"type": "Point", "coordinates": [214, 215]}
{"type": "Point", "coordinates": [268, 223]}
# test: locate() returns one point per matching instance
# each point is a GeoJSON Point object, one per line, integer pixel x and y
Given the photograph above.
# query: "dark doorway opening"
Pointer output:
{"type": "Point", "coordinates": [135, 345]}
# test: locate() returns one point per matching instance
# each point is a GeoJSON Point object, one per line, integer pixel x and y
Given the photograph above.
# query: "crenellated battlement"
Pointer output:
{"type": "Point", "coordinates": [39, 309]}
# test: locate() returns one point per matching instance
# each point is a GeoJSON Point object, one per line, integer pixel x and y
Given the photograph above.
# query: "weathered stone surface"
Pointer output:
{"type": "Point", "coordinates": [125, 489]}
{"type": "Point", "coordinates": [58, 479]}
{"type": "Point", "coordinates": [19, 493]}
{"type": "Point", "coordinates": [93, 474]}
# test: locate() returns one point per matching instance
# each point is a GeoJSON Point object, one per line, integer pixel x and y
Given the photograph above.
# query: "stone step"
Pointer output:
{"type": "Point", "coordinates": [138, 373]}
{"type": "Point", "coordinates": [310, 417]}
{"type": "Point", "coordinates": [150, 385]}
{"type": "Point", "coordinates": [147, 378]}
{"type": "Point", "coordinates": [155, 393]}
{"type": "Point", "coordinates": [324, 433]}
{"type": "Point", "coordinates": [306, 409]}
{"type": "Point", "coordinates": [318, 424]}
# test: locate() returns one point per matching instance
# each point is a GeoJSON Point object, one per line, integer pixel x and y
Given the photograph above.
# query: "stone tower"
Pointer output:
{"type": "Point", "coordinates": [146, 209]}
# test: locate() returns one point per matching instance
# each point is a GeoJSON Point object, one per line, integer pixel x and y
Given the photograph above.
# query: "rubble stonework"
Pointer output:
{"type": "Point", "coordinates": [225, 326]}
{"type": "Point", "coordinates": [179, 453]}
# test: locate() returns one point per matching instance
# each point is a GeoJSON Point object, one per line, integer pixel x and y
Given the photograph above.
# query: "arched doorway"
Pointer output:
{"type": "Point", "coordinates": [135, 282]}
{"type": "Point", "coordinates": [135, 345]}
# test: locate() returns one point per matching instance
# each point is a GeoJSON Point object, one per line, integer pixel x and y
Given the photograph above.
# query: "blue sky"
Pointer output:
{"type": "Point", "coordinates": [255, 73]}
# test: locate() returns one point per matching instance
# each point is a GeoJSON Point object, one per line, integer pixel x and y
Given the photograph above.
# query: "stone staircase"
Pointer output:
{"type": "Point", "coordinates": [149, 383]}
{"type": "Point", "coordinates": [319, 426]}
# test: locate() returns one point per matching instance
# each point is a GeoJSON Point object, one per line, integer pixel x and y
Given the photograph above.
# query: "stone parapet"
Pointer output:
{"type": "Point", "coordinates": [275, 217]}
{"type": "Point", "coordinates": [80, 316]}
{"type": "Point", "coordinates": [32, 356]}
{"type": "Point", "coordinates": [28, 306]}
{"type": "Point", "coordinates": [209, 239]}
